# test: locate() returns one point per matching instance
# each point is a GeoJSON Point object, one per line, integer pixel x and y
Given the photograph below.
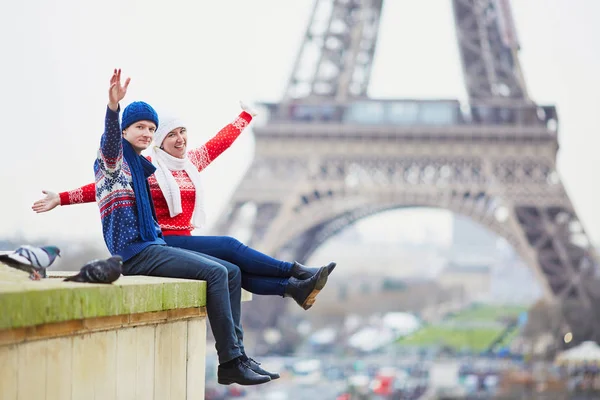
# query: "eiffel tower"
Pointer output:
{"type": "Point", "coordinates": [330, 155]}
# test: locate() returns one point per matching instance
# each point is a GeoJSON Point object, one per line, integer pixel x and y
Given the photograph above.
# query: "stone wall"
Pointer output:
{"type": "Point", "coordinates": [139, 338]}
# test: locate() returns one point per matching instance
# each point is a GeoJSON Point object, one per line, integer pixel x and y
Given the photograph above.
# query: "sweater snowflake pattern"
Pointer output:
{"type": "Point", "coordinates": [115, 196]}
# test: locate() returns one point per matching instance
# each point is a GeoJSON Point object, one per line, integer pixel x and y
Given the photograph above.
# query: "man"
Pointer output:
{"type": "Point", "coordinates": [130, 230]}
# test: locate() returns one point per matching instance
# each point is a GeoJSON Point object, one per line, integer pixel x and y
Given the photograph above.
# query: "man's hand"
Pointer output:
{"type": "Point", "coordinates": [248, 109]}
{"type": "Point", "coordinates": [47, 203]}
{"type": "Point", "coordinates": [117, 91]}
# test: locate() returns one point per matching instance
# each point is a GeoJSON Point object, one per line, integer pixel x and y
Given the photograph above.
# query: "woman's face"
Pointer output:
{"type": "Point", "coordinates": [175, 143]}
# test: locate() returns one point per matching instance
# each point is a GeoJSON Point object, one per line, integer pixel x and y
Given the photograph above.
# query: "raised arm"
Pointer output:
{"type": "Point", "coordinates": [202, 156]}
{"type": "Point", "coordinates": [110, 154]}
{"type": "Point", "coordinates": [84, 194]}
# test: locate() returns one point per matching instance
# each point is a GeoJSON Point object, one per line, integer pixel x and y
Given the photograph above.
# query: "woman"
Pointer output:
{"type": "Point", "coordinates": [178, 199]}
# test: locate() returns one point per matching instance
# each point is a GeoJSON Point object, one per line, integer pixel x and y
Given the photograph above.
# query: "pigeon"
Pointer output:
{"type": "Point", "coordinates": [32, 259]}
{"type": "Point", "coordinates": [99, 271]}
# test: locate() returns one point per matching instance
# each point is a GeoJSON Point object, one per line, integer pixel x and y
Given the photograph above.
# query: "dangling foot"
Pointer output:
{"type": "Point", "coordinates": [240, 372]}
{"type": "Point", "coordinates": [301, 272]}
{"type": "Point", "coordinates": [305, 291]}
{"type": "Point", "coordinates": [255, 366]}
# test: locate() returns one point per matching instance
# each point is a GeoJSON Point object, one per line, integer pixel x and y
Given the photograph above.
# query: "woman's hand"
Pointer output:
{"type": "Point", "coordinates": [249, 110]}
{"type": "Point", "coordinates": [47, 203]}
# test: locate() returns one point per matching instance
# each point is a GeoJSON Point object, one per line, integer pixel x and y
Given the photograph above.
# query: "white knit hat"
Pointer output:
{"type": "Point", "coordinates": [166, 125]}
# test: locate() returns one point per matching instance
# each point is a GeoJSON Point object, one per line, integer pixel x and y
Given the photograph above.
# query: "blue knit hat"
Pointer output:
{"type": "Point", "coordinates": [138, 111]}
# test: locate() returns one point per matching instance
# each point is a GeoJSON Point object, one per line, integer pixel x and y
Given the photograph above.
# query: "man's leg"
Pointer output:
{"type": "Point", "coordinates": [234, 276]}
{"type": "Point", "coordinates": [235, 297]}
{"type": "Point", "coordinates": [171, 262]}
{"type": "Point", "coordinates": [234, 367]}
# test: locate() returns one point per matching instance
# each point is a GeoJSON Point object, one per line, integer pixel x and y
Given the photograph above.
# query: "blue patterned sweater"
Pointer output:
{"type": "Point", "coordinates": [115, 196]}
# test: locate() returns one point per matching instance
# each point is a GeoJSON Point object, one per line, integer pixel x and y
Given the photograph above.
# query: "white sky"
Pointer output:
{"type": "Point", "coordinates": [198, 58]}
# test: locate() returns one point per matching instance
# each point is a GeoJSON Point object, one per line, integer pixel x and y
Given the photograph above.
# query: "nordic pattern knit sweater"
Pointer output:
{"type": "Point", "coordinates": [115, 196]}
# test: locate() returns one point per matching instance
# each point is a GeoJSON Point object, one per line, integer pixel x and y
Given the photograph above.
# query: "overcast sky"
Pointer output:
{"type": "Point", "coordinates": [199, 58]}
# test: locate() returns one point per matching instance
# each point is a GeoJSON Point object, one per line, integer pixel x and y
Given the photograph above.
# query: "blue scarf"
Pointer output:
{"type": "Point", "coordinates": [141, 169]}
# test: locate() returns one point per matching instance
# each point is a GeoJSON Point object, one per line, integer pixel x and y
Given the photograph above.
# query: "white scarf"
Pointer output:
{"type": "Point", "coordinates": [165, 163]}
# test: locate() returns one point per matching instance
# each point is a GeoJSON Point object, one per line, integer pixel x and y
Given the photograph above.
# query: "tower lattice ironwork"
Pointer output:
{"type": "Point", "coordinates": [330, 155]}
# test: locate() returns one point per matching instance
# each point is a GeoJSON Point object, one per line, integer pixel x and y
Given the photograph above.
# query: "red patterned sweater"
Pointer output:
{"type": "Point", "coordinates": [201, 157]}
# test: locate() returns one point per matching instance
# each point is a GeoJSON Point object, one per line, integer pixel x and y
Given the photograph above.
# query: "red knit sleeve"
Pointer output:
{"type": "Point", "coordinates": [209, 151]}
{"type": "Point", "coordinates": [84, 194]}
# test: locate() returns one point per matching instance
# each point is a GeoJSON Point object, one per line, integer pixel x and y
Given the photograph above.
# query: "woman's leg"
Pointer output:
{"type": "Point", "coordinates": [257, 284]}
{"type": "Point", "coordinates": [232, 250]}
{"type": "Point", "coordinates": [264, 285]}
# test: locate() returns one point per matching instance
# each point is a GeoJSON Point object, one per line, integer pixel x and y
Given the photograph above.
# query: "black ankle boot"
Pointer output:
{"type": "Point", "coordinates": [301, 272]}
{"type": "Point", "coordinates": [255, 366]}
{"type": "Point", "coordinates": [241, 373]}
{"type": "Point", "coordinates": [304, 291]}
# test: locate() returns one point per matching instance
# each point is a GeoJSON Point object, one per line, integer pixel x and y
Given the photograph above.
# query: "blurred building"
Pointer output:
{"type": "Point", "coordinates": [479, 255]}
{"type": "Point", "coordinates": [474, 279]}
{"type": "Point", "coordinates": [471, 241]}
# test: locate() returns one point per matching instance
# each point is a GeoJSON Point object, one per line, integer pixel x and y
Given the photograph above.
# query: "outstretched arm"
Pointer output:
{"type": "Point", "coordinates": [84, 194]}
{"type": "Point", "coordinates": [110, 154]}
{"type": "Point", "coordinates": [202, 156]}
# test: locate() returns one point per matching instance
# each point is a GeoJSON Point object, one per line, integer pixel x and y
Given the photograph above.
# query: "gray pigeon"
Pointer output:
{"type": "Point", "coordinates": [99, 271]}
{"type": "Point", "coordinates": [33, 260]}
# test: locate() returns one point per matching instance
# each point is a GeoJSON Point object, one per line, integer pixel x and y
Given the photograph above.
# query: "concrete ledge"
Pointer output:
{"type": "Point", "coordinates": [86, 326]}
{"type": "Point", "coordinates": [28, 303]}
{"type": "Point", "coordinates": [141, 337]}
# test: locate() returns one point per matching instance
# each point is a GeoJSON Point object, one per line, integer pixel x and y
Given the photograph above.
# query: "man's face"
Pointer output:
{"type": "Point", "coordinates": [140, 134]}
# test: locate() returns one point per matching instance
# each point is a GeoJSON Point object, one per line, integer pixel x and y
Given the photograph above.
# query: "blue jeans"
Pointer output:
{"type": "Point", "coordinates": [223, 289]}
{"type": "Point", "coordinates": [261, 274]}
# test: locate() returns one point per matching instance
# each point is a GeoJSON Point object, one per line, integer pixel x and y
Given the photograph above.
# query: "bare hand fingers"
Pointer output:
{"type": "Point", "coordinates": [39, 206]}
